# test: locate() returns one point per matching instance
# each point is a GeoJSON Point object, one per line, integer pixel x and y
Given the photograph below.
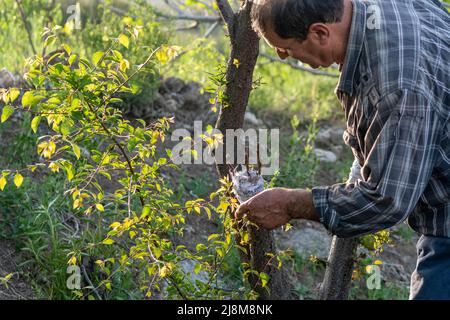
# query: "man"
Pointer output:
{"type": "Point", "coordinates": [394, 57]}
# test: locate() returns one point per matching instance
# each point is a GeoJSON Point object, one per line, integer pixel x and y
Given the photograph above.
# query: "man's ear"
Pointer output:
{"type": "Point", "coordinates": [319, 33]}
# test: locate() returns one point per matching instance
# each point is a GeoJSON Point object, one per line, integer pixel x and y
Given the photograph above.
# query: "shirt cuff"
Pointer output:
{"type": "Point", "coordinates": [320, 201]}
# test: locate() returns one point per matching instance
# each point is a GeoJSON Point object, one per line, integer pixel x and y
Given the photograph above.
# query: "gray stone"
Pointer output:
{"type": "Point", "coordinates": [251, 119]}
{"type": "Point", "coordinates": [7, 79]}
{"type": "Point", "coordinates": [325, 156]}
{"type": "Point", "coordinates": [306, 240]}
{"type": "Point", "coordinates": [392, 272]}
{"type": "Point", "coordinates": [172, 84]}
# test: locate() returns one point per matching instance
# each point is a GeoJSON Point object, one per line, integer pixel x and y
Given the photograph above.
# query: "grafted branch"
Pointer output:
{"type": "Point", "coordinates": [226, 12]}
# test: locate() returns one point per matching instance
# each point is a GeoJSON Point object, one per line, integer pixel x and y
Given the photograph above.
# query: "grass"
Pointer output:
{"type": "Point", "coordinates": [388, 291]}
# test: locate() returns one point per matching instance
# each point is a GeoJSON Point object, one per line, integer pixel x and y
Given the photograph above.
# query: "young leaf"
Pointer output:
{"type": "Point", "coordinates": [13, 94]}
{"type": "Point", "coordinates": [76, 150]}
{"type": "Point", "coordinates": [6, 112]}
{"type": "Point", "coordinates": [2, 183]}
{"type": "Point", "coordinates": [108, 241]}
{"type": "Point", "coordinates": [35, 123]}
{"type": "Point", "coordinates": [99, 207]}
{"type": "Point", "coordinates": [96, 57]}
{"type": "Point", "coordinates": [123, 39]}
{"type": "Point", "coordinates": [18, 180]}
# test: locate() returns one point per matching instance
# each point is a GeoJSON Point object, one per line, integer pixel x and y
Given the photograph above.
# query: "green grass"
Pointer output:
{"type": "Point", "coordinates": [388, 291]}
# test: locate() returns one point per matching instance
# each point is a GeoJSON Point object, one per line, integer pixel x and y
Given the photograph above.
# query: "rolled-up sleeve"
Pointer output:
{"type": "Point", "coordinates": [404, 136]}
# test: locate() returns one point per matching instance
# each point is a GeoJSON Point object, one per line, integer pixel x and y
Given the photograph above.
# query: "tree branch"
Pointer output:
{"type": "Point", "coordinates": [299, 67]}
{"type": "Point", "coordinates": [189, 17]}
{"type": "Point", "coordinates": [226, 12]}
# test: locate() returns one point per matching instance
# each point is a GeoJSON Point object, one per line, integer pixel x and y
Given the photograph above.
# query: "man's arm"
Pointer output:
{"type": "Point", "coordinates": [396, 172]}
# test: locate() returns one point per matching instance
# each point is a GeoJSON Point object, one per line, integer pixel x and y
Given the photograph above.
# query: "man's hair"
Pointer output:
{"type": "Point", "coordinates": [292, 18]}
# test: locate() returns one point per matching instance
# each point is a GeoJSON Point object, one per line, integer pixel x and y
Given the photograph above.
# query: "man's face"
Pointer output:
{"type": "Point", "coordinates": [314, 51]}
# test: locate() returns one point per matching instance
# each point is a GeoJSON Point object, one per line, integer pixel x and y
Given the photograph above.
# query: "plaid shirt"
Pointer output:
{"type": "Point", "coordinates": [395, 92]}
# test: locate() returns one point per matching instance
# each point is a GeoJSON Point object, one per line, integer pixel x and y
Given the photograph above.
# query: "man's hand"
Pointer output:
{"type": "Point", "coordinates": [275, 207]}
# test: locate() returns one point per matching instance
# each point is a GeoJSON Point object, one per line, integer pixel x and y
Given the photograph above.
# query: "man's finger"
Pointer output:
{"type": "Point", "coordinates": [241, 211]}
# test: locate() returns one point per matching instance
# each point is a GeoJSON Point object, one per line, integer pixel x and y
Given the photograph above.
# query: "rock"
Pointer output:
{"type": "Point", "coordinates": [330, 136]}
{"type": "Point", "coordinates": [392, 272]}
{"type": "Point", "coordinates": [188, 268]}
{"type": "Point", "coordinates": [7, 79]}
{"type": "Point", "coordinates": [325, 156]}
{"type": "Point", "coordinates": [174, 101]}
{"type": "Point", "coordinates": [251, 119]}
{"type": "Point", "coordinates": [193, 98]}
{"type": "Point", "coordinates": [306, 240]}
{"type": "Point", "coordinates": [172, 85]}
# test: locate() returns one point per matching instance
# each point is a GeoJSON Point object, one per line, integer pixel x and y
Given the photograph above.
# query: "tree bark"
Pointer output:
{"type": "Point", "coordinates": [239, 77]}
{"type": "Point", "coordinates": [338, 275]}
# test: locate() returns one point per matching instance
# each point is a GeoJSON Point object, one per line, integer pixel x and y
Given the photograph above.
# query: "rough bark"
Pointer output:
{"type": "Point", "coordinates": [338, 275]}
{"type": "Point", "coordinates": [245, 48]}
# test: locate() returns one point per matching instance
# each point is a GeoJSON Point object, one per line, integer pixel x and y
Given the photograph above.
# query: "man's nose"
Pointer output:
{"type": "Point", "coordinates": [283, 54]}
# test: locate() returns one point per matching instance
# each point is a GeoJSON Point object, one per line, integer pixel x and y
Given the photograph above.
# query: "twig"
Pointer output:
{"type": "Point", "coordinates": [27, 27]}
{"type": "Point", "coordinates": [90, 283]}
{"type": "Point", "coordinates": [189, 17]}
{"type": "Point", "coordinates": [299, 67]}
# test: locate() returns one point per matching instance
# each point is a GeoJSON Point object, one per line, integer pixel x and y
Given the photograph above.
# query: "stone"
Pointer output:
{"type": "Point", "coordinates": [330, 135]}
{"type": "Point", "coordinates": [7, 79]}
{"type": "Point", "coordinates": [392, 272]}
{"type": "Point", "coordinates": [172, 84]}
{"type": "Point", "coordinates": [251, 119]}
{"type": "Point", "coordinates": [325, 156]}
{"type": "Point", "coordinates": [306, 240]}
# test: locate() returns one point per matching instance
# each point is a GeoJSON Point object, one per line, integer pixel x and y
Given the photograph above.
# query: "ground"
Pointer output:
{"type": "Point", "coordinates": [306, 238]}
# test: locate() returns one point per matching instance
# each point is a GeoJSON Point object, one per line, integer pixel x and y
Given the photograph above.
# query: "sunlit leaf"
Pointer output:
{"type": "Point", "coordinates": [18, 180]}
{"type": "Point", "coordinates": [108, 241]}
{"type": "Point", "coordinates": [35, 123]}
{"type": "Point", "coordinates": [2, 182]}
{"type": "Point", "coordinates": [123, 40]}
{"type": "Point", "coordinates": [6, 112]}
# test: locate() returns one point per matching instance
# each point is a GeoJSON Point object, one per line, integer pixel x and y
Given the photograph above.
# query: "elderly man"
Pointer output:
{"type": "Point", "coordinates": [394, 58]}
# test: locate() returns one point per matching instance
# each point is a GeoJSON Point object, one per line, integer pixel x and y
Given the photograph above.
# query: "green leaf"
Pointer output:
{"type": "Point", "coordinates": [197, 268]}
{"type": "Point", "coordinates": [69, 170]}
{"type": "Point", "coordinates": [18, 180]}
{"type": "Point", "coordinates": [108, 241]}
{"type": "Point", "coordinates": [123, 39]}
{"type": "Point", "coordinates": [35, 123]}
{"type": "Point", "coordinates": [2, 183]}
{"type": "Point", "coordinates": [264, 278]}
{"type": "Point", "coordinates": [65, 127]}
{"type": "Point", "coordinates": [200, 247]}
{"type": "Point", "coordinates": [156, 252]}
{"type": "Point", "coordinates": [13, 94]}
{"type": "Point", "coordinates": [28, 100]}
{"type": "Point", "coordinates": [67, 48]}
{"type": "Point", "coordinates": [72, 58]}
{"type": "Point", "coordinates": [6, 112]}
{"type": "Point", "coordinates": [76, 150]}
{"type": "Point", "coordinates": [145, 211]}
{"type": "Point", "coordinates": [213, 236]}
{"type": "Point", "coordinates": [97, 56]}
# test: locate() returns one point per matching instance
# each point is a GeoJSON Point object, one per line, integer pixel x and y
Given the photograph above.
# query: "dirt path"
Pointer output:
{"type": "Point", "coordinates": [16, 288]}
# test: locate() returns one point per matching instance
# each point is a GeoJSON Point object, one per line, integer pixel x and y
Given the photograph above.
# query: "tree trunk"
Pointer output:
{"type": "Point", "coordinates": [338, 275]}
{"type": "Point", "coordinates": [239, 77]}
